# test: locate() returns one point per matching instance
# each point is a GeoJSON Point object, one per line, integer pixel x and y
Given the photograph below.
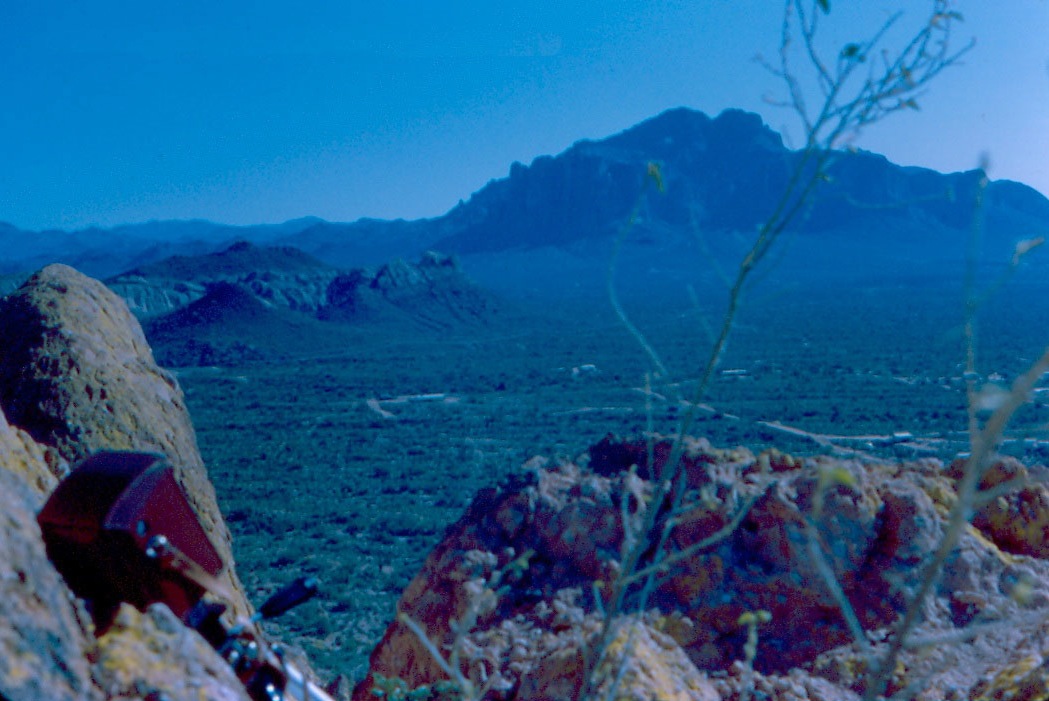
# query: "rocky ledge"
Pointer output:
{"type": "Point", "coordinates": [530, 566]}
{"type": "Point", "coordinates": [433, 293]}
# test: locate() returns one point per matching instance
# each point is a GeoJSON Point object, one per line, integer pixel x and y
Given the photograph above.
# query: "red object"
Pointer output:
{"type": "Point", "coordinates": [119, 528]}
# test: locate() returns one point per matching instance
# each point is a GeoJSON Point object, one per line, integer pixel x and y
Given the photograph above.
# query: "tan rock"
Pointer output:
{"type": "Point", "coordinates": [642, 663]}
{"type": "Point", "coordinates": [153, 655]}
{"type": "Point", "coordinates": [43, 640]}
{"type": "Point", "coordinates": [27, 459]}
{"type": "Point", "coordinates": [77, 375]}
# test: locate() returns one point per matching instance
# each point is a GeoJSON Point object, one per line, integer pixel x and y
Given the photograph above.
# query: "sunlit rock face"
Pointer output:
{"type": "Point", "coordinates": [554, 540]}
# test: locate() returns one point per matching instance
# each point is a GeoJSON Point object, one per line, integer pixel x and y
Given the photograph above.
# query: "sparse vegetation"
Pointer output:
{"type": "Point", "coordinates": [349, 479]}
{"type": "Point", "coordinates": [786, 385]}
{"type": "Point", "coordinates": [850, 96]}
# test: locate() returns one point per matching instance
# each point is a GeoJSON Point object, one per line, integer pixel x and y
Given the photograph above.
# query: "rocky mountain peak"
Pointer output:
{"type": "Point", "coordinates": [682, 128]}
{"type": "Point", "coordinates": [400, 275]}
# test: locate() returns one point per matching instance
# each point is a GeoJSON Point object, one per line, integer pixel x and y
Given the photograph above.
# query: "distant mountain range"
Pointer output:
{"type": "Point", "coordinates": [262, 303]}
{"type": "Point", "coordinates": [283, 276]}
{"type": "Point", "coordinates": [557, 217]}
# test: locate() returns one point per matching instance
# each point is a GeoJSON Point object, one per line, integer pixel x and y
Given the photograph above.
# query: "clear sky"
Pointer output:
{"type": "Point", "coordinates": [243, 112]}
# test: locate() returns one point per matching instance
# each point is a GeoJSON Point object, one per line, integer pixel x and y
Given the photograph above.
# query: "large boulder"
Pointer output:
{"type": "Point", "coordinates": [518, 588]}
{"type": "Point", "coordinates": [86, 382]}
{"type": "Point", "coordinates": [77, 375]}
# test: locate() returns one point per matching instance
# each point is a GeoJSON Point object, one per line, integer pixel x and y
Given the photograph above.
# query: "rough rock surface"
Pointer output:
{"type": "Point", "coordinates": [182, 666]}
{"type": "Point", "coordinates": [77, 375]}
{"type": "Point", "coordinates": [43, 641]}
{"type": "Point", "coordinates": [29, 460]}
{"type": "Point", "coordinates": [553, 539]}
{"type": "Point", "coordinates": [73, 334]}
{"type": "Point", "coordinates": [149, 297]}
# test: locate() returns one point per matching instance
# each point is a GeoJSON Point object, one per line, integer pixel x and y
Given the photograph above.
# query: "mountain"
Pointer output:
{"type": "Point", "coordinates": [108, 252]}
{"type": "Point", "coordinates": [434, 293]}
{"type": "Point", "coordinates": [722, 178]}
{"type": "Point", "coordinates": [557, 218]}
{"type": "Point", "coordinates": [228, 324]}
{"type": "Point", "coordinates": [283, 276]}
{"type": "Point", "coordinates": [251, 303]}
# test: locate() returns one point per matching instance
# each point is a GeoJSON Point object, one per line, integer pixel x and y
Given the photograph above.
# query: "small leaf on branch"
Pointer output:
{"type": "Point", "coordinates": [824, 5]}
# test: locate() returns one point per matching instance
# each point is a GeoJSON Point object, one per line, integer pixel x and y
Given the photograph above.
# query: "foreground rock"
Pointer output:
{"type": "Point", "coordinates": [553, 542]}
{"type": "Point", "coordinates": [44, 642]}
{"type": "Point", "coordinates": [76, 376]}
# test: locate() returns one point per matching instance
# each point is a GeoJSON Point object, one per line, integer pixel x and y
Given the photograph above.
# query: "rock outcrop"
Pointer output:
{"type": "Point", "coordinates": [29, 461]}
{"type": "Point", "coordinates": [433, 293]}
{"type": "Point", "coordinates": [553, 539]}
{"type": "Point", "coordinates": [182, 664]}
{"type": "Point", "coordinates": [149, 297]}
{"type": "Point", "coordinates": [76, 376]}
{"type": "Point", "coordinates": [282, 277]}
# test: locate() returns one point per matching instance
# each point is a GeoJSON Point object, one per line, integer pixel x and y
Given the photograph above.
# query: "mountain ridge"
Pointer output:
{"type": "Point", "coordinates": [722, 174]}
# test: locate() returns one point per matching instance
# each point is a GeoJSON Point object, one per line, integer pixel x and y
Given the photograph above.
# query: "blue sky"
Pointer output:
{"type": "Point", "coordinates": [120, 112]}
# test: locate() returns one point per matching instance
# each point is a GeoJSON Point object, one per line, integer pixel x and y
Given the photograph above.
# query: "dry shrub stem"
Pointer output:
{"type": "Point", "coordinates": [848, 101]}
{"type": "Point", "coordinates": [984, 441]}
{"type": "Point", "coordinates": [890, 85]}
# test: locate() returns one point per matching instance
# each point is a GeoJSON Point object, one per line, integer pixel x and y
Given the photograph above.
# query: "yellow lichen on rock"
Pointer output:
{"type": "Point", "coordinates": [1024, 680]}
{"type": "Point", "coordinates": [28, 459]}
{"type": "Point", "coordinates": [642, 663]}
{"type": "Point", "coordinates": [154, 653]}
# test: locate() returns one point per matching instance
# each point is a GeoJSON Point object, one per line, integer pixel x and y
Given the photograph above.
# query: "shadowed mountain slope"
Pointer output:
{"type": "Point", "coordinates": [230, 325]}
{"type": "Point", "coordinates": [283, 276]}
{"type": "Point", "coordinates": [240, 259]}
{"type": "Point", "coordinates": [434, 293]}
{"type": "Point", "coordinates": [722, 177]}
{"type": "Point", "coordinates": [108, 252]}
{"type": "Point", "coordinates": [231, 322]}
